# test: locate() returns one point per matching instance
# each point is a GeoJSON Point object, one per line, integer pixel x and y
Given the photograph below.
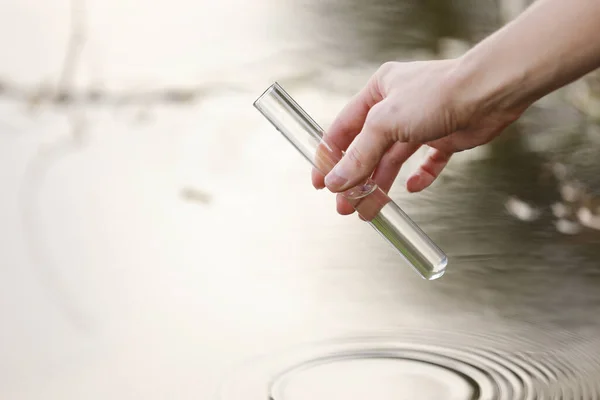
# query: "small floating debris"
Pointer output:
{"type": "Point", "coordinates": [195, 195]}
{"type": "Point", "coordinates": [179, 95]}
{"type": "Point", "coordinates": [522, 210]}
{"type": "Point", "coordinates": [63, 97]}
{"type": "Point", "coordinates": [570, 192]}
{"type": "Point", "coordinates": [588, 219]}
{"type": "Point", "coordinates": [568, 227]}
{"type": "Point", "coordinates": [560, 210]}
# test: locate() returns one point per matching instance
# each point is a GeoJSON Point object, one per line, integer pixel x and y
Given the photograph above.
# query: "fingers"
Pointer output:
{"type": "Point", "coordinates": [318, 180]}
{"type": "Point", "coordinates": [366, 150]}
{"type": "Point", "coordinates": [386, 172]}
{"type": "Point", "coordinates": [349, 123]}
{"type": "Point", "coordinates": [428, 171]}
{"type": "Point", "coordinates": [438, 157]}
{"type": "Point", "coordinates": [456, 142]}
{"type": "Point", "coordinates": [343, 206]}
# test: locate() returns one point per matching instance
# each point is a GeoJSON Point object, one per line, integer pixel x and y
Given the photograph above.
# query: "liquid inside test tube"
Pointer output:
{"type": "Point", "coordinates": [371, 203]}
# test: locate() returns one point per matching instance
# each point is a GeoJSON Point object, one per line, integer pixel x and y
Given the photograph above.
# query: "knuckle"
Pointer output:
{"type": "Point", "coordinates": [384, 114]}
{"type": "Point", "coordinates": [377, 116]}
{"type": "Point", "coordinates": [385, 68]}
{"type": "Point", "coordinates": [382, 75]}
{"type": "Point", "coordinates": [385, 119]}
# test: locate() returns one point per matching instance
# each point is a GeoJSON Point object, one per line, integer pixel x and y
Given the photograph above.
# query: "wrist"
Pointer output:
{"type": "Point", "coordinates": [483, 87]}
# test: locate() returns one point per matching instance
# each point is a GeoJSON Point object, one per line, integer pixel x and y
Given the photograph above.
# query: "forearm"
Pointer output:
{"type": "Point", "coordinates": [550, 45]}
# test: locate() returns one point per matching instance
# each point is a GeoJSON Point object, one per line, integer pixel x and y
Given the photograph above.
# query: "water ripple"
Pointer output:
{"type": "Point", "coordinates": [424, 365]}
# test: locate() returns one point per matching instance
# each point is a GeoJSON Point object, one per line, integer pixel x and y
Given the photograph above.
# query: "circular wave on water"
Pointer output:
{"type": "Point", "coordinates": [423, 366]}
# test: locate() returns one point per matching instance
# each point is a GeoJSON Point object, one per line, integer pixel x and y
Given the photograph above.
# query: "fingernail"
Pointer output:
{"type": "Point", "coordinates": [334, 180]}
{"type": "Point", "coordinates": [417, 178]}
{"type": "Point", "coordinates": [414, 180]}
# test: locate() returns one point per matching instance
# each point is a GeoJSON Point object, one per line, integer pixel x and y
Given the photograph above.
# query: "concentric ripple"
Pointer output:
{"type": "Point", "coordinates": [423, 366]}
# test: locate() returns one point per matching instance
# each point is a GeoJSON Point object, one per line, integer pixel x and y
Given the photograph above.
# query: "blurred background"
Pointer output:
{"type": "Point", "coordinates": [157, 233]}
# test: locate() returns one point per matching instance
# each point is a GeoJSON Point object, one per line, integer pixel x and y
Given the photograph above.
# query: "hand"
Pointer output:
{"type": "Point", "coordinates": [402, 107]}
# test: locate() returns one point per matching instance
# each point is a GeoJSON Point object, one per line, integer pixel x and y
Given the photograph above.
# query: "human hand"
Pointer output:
{"type": "Point", "coordinates": [402, 107]}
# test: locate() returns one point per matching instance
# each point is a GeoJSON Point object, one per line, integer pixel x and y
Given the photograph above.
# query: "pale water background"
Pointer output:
{"type": "Point", "coordinates": [156, 231]}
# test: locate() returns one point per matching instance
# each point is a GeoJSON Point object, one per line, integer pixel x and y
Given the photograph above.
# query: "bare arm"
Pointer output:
{"type": "Point", "coordinates": [550, 45]}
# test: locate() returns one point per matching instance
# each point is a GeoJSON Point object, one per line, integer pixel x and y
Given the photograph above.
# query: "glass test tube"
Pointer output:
{"type": "Point", "coordinates": [371, 203]}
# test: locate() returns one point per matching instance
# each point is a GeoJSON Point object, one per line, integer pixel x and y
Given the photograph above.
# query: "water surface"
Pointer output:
{"type": "Point", "coordinates": [160, 234]}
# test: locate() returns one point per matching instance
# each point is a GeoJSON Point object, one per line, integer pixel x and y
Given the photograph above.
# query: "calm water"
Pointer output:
{"type": "Point", "coordinates": [161, 240]}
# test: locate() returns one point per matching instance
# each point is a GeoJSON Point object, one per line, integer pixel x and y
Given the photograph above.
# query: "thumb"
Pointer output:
{"type": "Point", "coordinates": [365, 152]}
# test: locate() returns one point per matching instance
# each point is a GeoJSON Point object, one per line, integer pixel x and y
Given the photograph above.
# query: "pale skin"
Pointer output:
{"type": "Point", "coordinates": [458, 104]}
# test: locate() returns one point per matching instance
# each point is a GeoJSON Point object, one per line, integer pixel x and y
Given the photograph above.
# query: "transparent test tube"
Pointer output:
{"type": "Point", "coordinates": [371, 203]}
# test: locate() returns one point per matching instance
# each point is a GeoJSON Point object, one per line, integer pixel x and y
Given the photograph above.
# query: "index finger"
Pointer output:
{"type": "Point", "coordinates": [349, 122]}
